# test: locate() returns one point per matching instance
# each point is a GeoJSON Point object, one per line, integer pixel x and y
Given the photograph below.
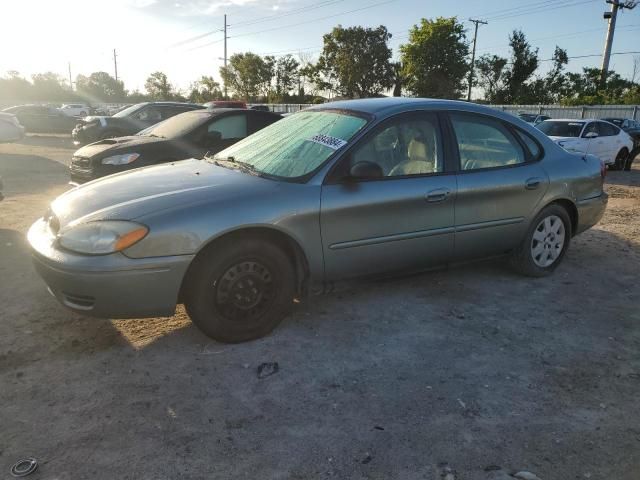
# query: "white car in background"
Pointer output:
{"type": "Point", "coordinates": [75, 109]}
{"type": "Point", "coordinates": [596, 137]}
{"type": "Point", "coordinates": [533, 118]}
{"type": "Point", "coordinates": [10, 128]}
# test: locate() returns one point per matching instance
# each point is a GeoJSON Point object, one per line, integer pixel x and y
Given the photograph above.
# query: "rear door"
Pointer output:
{"type": "Point", "coordinates": [402, 220]}
{"type": "Point", "coordinates": [500, 183]}
{"type": "Point", "coordinates": [611, 141]}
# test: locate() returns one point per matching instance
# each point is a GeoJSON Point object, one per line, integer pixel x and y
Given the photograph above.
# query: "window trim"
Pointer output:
{"type": "Point", "coordinates": [529, 158]}
{"type": "Point", "coordinates": [332, 177]}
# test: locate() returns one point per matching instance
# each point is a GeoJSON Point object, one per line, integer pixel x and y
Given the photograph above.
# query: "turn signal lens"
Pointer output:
{"type": "Point", "coordinates": [130, 238]}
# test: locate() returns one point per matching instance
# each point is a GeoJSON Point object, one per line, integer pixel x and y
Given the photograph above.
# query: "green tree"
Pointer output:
{"type": "Point", "coordinates": [434, 61]}
{"type": "Point", "coordinates": [355, 62]}
{"type": "Point", "coordinates": [246, 75]}
{"type": "Point", "coordinates": [286, 76]}
{"type": "Point", "coordinates": [15, 88]}
{"type": "Point", "coordinates": [489, 76]}
{"type": "Point", "coordinates": [204, 90]}
{"type": "Point", "coordinates": [100, 87]}
{"type": "Point", "coordinates": [585, 88]}
{"type": "Point", "coordinates": [554, 84]}
{"type": "Point", "coordinates": [50, 86]}
{"type": "Point", "coordinates": [159, 88]}
{"type": "Point", "coordinates": [524, 63]}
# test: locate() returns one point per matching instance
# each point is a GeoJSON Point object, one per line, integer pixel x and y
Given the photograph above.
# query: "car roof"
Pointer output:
{"type": "Point", "coordinates": [381, 107]}
{"type": "Point", "coordinates": [586, 120]}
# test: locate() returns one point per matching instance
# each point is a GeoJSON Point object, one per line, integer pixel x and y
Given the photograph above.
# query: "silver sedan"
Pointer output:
{"type": "Point", "coordinates": [346, 189]}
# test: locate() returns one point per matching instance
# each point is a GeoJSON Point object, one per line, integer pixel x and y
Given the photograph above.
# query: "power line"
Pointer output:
{"type": "Point", "coordinates": [304, 9]}
{"type": "Point", "coordinates": [314, 20]}
{"type": "Point", "coordinates": [534, 10]}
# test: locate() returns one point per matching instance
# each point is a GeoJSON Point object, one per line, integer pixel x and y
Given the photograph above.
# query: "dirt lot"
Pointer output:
{"type": "Point", "coordinates": [468, 373]}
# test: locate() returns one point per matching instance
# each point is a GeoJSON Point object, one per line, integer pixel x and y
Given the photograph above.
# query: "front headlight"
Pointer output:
{"type": "Point", "coordinates": [124, 159]}
{"type": "Point", "coordinates": [102, 237]}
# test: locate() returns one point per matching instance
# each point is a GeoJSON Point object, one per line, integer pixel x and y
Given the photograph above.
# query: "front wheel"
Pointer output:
{"type": "Point", "coordinates": [239, 291]}
{"type": "Point", "coordinates": [545, 243]}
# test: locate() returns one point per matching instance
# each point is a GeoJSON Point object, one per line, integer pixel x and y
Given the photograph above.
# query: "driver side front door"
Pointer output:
{"type": "Point", "coordinates": [402, 220]}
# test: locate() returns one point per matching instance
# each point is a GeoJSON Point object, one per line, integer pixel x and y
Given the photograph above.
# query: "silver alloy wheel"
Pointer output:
{"type": "Point", "coordinates": [548, 241]}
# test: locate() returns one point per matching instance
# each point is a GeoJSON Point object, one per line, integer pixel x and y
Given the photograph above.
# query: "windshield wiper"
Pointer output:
{"type": "Point", "coordinates": [232, 162]}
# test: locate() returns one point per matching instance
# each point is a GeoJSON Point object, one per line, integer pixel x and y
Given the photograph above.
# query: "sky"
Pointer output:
{"type": "Point", "coordinates": [183, 38]}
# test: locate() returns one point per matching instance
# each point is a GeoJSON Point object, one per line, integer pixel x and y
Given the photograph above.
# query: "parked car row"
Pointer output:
{"type": "Point", "coordinates": [341, 190]}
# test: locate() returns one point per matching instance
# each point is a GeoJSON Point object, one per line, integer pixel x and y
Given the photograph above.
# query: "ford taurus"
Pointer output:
{"type": "Point", "coordinates": [345, 189]}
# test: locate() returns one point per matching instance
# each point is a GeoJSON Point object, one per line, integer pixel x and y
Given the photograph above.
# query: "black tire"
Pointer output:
{"type": "Point", "coordinates": [634, 153]}
{"type": "Point", "coordinates": [621, 160]}
{"type": "Point", "coordinates": [223, 302]}
{"type": "Point", "coordinates": [523, 259]}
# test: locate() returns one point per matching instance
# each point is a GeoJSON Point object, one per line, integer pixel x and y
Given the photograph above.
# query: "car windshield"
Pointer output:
{"type": "Point", "coordinates": [296, 145]}
{"type": "Point", "coordinates": [554, 128]}
{"type": "Point", "coordinates": [528, 117]}
{"type": "Point", "coordinates": [128, 111]}
{"type": "Point", "coordinates": [176, 126]}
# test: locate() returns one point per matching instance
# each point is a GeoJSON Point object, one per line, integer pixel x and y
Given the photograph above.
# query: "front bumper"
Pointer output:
{"type": "Point", "coordinates": [108, 286]}
{"type": "Point", "coordinates": [590, 211]}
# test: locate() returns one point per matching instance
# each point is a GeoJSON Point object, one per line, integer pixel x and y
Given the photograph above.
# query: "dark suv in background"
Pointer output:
{"type": "Point", "coordinates": [129, 121]}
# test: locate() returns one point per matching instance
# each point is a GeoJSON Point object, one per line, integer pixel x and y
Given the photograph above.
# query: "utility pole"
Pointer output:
{"type": "Point", "coordinates": [611, 17]}
{"type": "Point", "coordinates": [115, 63]}
{"type": "Point", "coordinates": [70, 81]}
{"type": "Point", "coordinates": [473, 55]}
{"type": "Point", "coordinates": [225, 52]}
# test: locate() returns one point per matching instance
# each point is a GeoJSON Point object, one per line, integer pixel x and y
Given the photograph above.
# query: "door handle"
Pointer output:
{"type": "Point", "coordinates": [532, 183]}
{"type": "Point", "coordinates": [438, 195]}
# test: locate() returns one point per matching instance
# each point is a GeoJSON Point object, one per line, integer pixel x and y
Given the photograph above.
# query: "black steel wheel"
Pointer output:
{"type": "Point", "coordinates": [240, 291]}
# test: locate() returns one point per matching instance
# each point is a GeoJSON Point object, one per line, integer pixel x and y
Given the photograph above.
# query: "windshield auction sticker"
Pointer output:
{"type": "Point", "coordinates": [328, 141]}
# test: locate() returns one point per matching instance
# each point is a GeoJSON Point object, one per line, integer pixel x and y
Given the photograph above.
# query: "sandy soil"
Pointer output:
{"type": "Point", "coordinates": [468, 373]}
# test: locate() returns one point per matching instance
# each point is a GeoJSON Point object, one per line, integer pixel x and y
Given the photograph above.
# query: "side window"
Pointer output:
{"type": "Point", "coordinates": [590, 128]}
{"type": "Point", "coordinates": [531, 144]}
{"type": "Point", "coordinates": [484, 143]}
{"type": "Point", "coordinates": [606, 130]}
{"type": "Point", "coordinates": [409, 145]}
{"type": "Point", "coordinates": [149, 114]}
{"type": "Point", "coordinates": [231, 126]}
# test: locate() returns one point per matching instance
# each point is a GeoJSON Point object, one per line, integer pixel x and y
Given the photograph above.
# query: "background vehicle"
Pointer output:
{"type": "Point", "coordinates": [346, 189]}
{"type": "Point", "coordinates": [187, 135]}
{"type": "Point", "coordinates": [41, 119]}
{"type": "Point", "coordinates": [128, 121]}
{"type": "Point", "coordinates": [10, 128]}
{"type": "Point", "coordinates": [602, 139]}
{"type": "Point", "coordinates": [225, 104]}
{"type": "Point", "coordinates": [632, 127]}
{"type": "Point", "coordinates": [75, 109]}
{"type": "Point", "coordinates": [533, 118]}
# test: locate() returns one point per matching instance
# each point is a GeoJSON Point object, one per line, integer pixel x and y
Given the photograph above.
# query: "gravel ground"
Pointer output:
{"type": "Point", "coordinates": [467, 373]}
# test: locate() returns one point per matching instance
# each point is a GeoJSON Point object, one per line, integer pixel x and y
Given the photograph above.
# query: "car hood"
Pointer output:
{"type": "Point", "coordinates": [114, 145]}
{"type": "Point", "coordinates": [142, 191]}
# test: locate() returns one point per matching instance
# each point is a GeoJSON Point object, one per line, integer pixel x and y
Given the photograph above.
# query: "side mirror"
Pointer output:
{"type": "Point", "coordinates": [364, 170]}
{"type": "Point", "coordinates": [591, 135]}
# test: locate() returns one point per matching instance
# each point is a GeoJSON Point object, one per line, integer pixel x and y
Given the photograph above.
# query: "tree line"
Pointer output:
{"type": "Point", "coordinates": [356, 62]}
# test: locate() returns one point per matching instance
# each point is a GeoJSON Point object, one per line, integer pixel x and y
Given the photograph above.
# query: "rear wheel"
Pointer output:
{"type": "Point", "coordinates": [240, 291]}
{"type": "Point", "coordinates": [545, 243]}
{"type": "Point", "coordinates": [621, 160]}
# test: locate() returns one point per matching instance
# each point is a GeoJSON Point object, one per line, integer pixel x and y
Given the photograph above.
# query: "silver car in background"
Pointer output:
{"type": "Point", "coordinates": [346, 189]}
